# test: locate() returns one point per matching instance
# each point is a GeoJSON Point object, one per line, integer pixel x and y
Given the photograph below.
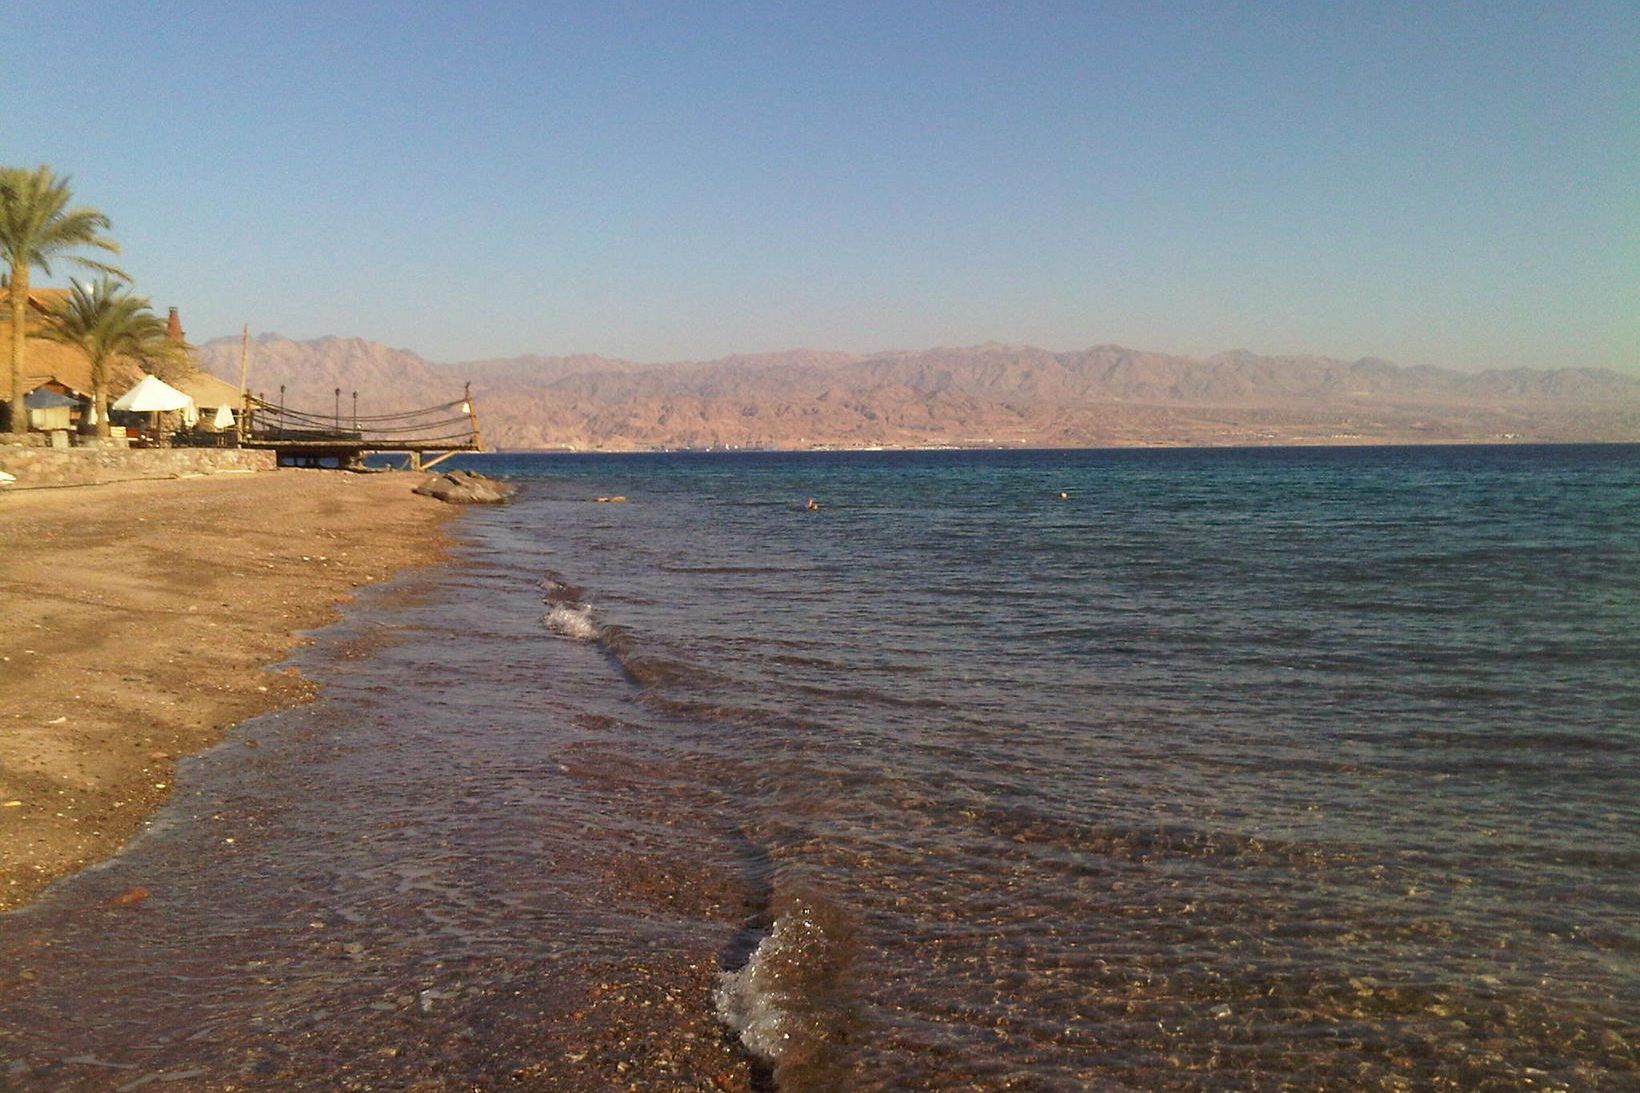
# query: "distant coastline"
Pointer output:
{"type": "Point", "coordinates": [1329, 442]}
{"type": "Point", "coordinates": [985, 396]}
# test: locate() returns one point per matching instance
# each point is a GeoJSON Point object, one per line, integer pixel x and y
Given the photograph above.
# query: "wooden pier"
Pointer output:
{"type": "Point", "coordinates": [427, 436]}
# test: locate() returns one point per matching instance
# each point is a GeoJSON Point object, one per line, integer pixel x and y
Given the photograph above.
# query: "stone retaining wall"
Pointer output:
{"type": "Point", "coordinates": [39, 467]}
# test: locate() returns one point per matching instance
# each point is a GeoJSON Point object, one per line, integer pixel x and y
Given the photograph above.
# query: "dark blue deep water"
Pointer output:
{"type": "Point", "coordinates": [1304, 765]}
{"type": "Point", "coordinates": [1254, 769]}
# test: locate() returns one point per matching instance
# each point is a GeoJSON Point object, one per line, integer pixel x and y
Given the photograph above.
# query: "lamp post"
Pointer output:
{"type": "Point", "coordinates": [338, 409]}
{"type": "Point", "coordinates": [477, 440]}
{"type": "Point", "coordinates": [355, 411]}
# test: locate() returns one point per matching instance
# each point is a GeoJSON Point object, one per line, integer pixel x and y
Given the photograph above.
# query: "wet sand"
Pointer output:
{"type": "Point", "coordinates": [137, 621]}
{"type": "Point", "coordinates": [351, 895]}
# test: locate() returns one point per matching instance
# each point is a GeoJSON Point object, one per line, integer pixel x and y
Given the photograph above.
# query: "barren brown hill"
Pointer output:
{"type": "Point", "coordinates": [977, 395]}
{"type": "Point", "coordinates": [312, 370]}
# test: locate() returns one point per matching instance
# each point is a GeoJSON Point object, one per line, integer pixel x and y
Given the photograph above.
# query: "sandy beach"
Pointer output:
{"type": "Point", "coordinates": [142, 621]}
{"type": "Point", "coordinates": [140, 618]}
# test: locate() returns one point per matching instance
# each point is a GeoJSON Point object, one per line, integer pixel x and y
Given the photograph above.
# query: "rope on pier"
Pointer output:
{"type": "Point", "coordinates": [448, 422]}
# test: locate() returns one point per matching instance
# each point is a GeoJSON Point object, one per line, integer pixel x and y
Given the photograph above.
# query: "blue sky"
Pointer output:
{"type": "Point", "coordinates": [1449, 184]}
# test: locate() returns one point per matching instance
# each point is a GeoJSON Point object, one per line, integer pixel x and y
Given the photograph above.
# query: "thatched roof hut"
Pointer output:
{"type": "Point", "coordinates": [208, 392]}
{"type": "Point", "coordinates": [46, 361]}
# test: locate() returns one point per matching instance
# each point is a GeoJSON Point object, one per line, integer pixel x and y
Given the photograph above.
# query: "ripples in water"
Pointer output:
{"type": "Point", "coordinates": [1237, 770]}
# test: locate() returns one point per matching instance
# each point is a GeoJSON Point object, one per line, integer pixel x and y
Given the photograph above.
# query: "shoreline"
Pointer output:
{"type": "Point", "coordinates": [140, 619]}
{"type": "Point", "coordinates": [605, 1017]}
{"type": "Point", "coordinates": [1306, 444]}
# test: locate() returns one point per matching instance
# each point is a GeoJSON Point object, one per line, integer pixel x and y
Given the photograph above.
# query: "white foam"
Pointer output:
{"type": "Point", "coordinates": [573, 620]}
{"type": "Point", "coordinates": [749, 1002]}
{"type": "Point", "coordinates": [764, 1002]}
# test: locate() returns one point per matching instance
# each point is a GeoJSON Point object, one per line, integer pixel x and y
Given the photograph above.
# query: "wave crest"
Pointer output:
{"type": "Point", "coordinates": [573, 620]}
{"type": "Point", "coordinates": [783, 1003]}
{"type": "Point", "coordinates": [570, 616]}
{"type": "Point", "coordinates": [558, 590]}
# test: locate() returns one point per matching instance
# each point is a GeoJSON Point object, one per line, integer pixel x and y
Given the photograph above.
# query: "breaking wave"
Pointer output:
{"type": "Point", "coordinates": [784, 1003]}
{"type": "Point", "coordinates": [570, 616]}
{"type": "Point", "coordinates": [566, 614]}
{"type": "Point", "coordinates": [573, 620]}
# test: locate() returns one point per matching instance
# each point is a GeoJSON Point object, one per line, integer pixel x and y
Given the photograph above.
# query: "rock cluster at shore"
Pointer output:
{"type": "Point", "coordinates": [467, 488]}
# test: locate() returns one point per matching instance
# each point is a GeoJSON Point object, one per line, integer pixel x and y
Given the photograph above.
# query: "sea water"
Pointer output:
{"type": "Point", "coordinates": [999, 770]}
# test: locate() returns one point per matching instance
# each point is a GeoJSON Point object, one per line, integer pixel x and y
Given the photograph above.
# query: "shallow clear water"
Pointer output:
{"type": "Point", "coordinates": [1230, 769]}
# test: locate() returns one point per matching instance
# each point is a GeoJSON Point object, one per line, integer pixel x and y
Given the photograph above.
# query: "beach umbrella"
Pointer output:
{"type": "Point", "coordinates": [48, 410]}
{"type": "Point", "coordinates": [44, 398]}
{"type": "Point", "coordinates": [223, 418]}
{"type": "Point", "coordinates": [152, 395]}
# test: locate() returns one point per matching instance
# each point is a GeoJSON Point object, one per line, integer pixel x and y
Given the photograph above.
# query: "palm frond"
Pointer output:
{"type": "Point", "coordinates": [37, 224]}
{"type": "Point", "coordinates": [106, 321]}
{"type": "Point", "coordinates": [101, 267]}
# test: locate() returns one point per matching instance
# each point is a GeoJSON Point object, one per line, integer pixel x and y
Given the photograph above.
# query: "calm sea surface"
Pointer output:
{"type": "Point", "coordinates": [1226, 770]}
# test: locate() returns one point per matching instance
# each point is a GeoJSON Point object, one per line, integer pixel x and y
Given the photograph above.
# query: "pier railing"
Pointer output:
{"type": "Point", "coordinates": [310, 438]}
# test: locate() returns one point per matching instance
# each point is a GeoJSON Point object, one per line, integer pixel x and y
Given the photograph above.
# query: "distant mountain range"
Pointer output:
{"type": "Point", "coordinates": [984, 395]}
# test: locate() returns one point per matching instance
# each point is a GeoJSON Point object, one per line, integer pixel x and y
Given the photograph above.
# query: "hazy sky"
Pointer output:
{"type": "Point", "coordinates": [1434, 183]}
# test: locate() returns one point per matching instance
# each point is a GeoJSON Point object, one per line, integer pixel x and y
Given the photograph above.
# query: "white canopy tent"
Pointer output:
{"type": "Point", "coordinates": [152, 395]}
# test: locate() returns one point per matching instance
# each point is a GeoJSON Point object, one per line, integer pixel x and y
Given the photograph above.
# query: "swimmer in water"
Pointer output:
{"type": "Point", "coordinates": [813, 506]}
{"type": "Point", "coordinates": [1063, 496]}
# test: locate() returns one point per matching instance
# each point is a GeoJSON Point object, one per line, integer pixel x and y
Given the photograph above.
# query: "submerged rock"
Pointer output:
{"type": "Point", "coordinates": [466, 488]}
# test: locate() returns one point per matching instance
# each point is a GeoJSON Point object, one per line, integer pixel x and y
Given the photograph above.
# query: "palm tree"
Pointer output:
{"type": "Point", "coordinates": [106, 322]}
{"type": "Point", "coordinates": [37, 226]}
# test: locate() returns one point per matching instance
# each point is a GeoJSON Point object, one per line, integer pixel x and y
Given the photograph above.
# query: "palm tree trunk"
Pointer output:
{"type": "Point", "coordinates": [17, 419]}
{"type": "Point", "coordinates": [99, 392]}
